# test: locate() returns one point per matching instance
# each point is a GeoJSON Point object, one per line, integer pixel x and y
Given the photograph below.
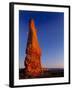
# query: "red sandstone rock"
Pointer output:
{"type": "Point", "coordinates": [33, 53]}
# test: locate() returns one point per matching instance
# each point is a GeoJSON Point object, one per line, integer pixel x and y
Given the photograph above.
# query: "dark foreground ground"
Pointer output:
{"type": "Point", "coordinates": [48, 73]}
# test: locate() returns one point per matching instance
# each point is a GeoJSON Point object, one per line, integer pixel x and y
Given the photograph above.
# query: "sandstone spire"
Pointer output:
{"type": "Point", "coordinates": [33, 53]}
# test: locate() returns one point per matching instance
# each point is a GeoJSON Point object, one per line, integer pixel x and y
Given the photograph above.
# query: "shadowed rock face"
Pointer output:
{"type": "Point", "coordinates": [33, 53]}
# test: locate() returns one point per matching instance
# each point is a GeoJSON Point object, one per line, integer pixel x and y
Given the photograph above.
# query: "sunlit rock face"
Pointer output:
{"type": "Point", "coordinates": [33, 53]}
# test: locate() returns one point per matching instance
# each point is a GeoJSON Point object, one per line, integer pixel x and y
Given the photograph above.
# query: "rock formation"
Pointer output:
{"type": "Point", "coordinates": [33, 53]}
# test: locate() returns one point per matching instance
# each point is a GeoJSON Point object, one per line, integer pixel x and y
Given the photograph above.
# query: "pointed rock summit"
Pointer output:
{"type": "Point", "coordinates": [33, 53]}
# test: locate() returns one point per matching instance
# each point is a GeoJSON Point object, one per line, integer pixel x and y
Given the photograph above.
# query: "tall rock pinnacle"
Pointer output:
{"type": "Point", "coordinates": [33, 53]}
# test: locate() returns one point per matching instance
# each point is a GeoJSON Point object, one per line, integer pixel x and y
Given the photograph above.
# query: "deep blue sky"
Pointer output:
{"type": "Point", "coordinates": [50, 32]}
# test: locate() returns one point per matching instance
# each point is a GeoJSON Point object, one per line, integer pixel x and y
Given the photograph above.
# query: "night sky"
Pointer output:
{"type": "Point", "coordinates": [50, 32]}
